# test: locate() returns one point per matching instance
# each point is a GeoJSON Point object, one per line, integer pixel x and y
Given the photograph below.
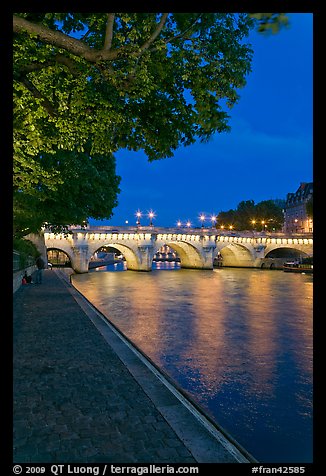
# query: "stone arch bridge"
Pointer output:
{"type": "Point", "coordinates": [196, 248]}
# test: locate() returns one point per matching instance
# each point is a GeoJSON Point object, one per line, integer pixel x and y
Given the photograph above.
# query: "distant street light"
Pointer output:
{"type": "Point", "coordinates": [202, 219]}
{"type": "Point", "coordinates": [188, 224]}
{"type": "Point", "coordinates": [179, 223]}
{"type": "Point", "coordinates": [213, 220]}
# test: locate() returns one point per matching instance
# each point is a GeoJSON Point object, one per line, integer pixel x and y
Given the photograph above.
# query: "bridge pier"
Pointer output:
{"type": "Point", "coordinates": [145, 255]}
{"type": "Point", "coordinates": [80, 259]}
{"type": "Point", "coordinates": [208, 256]}
{"type": "Point", "coordinates": [204, 260]}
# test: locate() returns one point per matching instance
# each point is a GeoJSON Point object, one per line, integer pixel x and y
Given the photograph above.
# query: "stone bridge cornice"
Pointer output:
{"type": "Point", "coordinates": [189, 234]}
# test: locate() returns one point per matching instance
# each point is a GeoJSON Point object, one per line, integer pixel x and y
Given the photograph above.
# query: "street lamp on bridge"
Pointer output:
{"type": "Point", "coordinates": [213, 220]}
{"type": "Point", "coordinates": [151, 215]}
{"type": "Point", "coordinates": [138, 215]}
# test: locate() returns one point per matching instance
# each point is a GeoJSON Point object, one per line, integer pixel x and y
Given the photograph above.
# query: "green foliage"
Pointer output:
{"type": "Point", "coordinates": [226, 219]}
{"type": "Point", "coordinates": [88, 84]}
{"type": "Point", "coordinates": [131, 93]}
{"type": "Point", "coordinates": [267, 211]}
{"type": "Point", "coordinates": [87, 186]}
{"type": "Point", "coordinates": [22, 245]}
{"type": "Point", "coordinates": [270, 22]}
{"type": "Point", "coordinates": [27, 251]}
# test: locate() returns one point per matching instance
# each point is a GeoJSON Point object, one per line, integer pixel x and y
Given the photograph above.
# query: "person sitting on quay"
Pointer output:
{"type": "Point", "coordinates": [27, 279]}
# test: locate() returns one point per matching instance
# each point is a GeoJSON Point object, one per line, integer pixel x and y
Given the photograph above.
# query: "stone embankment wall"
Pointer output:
{"type": "Point", "coordinates": [38, 240]}
{"type": "Point", "coordinates": [18, 275]}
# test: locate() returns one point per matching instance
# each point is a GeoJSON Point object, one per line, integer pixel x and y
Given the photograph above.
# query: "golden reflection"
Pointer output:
{"type": "Point", "coordinates": [302, 319]}
{"type": "Point", "coordinates": [206, 351]}
{"type": "Point", "coordinates": [269, 300]}
{"type": "Point", "coordinates": [215, 328]}
{"type": "Point", "coordinates": [262, 315]}
{"type": "Point", "coordinates": [130, 300]}
{"type": "Point", "coordinates": [145, 307]}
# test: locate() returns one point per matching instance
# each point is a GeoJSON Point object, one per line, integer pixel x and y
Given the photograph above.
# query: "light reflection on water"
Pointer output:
{"type": "Point", "coordinates": [238, 340]}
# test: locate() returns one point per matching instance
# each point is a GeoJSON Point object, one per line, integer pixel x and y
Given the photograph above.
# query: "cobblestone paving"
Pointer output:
{"type": "Point", "coordinates": [74, 400]}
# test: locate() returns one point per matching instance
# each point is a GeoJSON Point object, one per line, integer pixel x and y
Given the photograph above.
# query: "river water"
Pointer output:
{"type": "Point", "coordinates": [239, 341]}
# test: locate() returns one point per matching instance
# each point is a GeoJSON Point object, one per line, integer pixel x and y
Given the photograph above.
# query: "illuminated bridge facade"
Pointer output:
{"type": "Point", "coordinates": [196, 248]}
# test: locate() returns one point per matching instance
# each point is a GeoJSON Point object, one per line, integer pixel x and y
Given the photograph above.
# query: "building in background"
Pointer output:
{"type": "Point", "coordinates": [296, 217]}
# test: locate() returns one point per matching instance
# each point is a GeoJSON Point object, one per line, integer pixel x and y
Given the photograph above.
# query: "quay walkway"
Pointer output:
{"type": "Point", "coordinates": [82, 394]}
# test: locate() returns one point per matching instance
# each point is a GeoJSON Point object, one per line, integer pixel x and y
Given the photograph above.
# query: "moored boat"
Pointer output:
{"type": "Point", "coordinates": [297, 267]}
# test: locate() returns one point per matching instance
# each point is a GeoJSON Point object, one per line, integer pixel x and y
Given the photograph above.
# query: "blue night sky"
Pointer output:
{"type": "Point", "coordinates": [268, 152]}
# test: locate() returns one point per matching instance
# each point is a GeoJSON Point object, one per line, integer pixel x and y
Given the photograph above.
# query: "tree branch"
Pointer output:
{"type": "Point", "coordinates": [109, 32]}
{"type": "Point", "coordinates": [155, 34]}
{"type": "Point", "coordinates": [69, 63]}
{"type": "Point", "coordinates": [61, 40]}
{"type": "Point", "coordinates": [181, 35]}
{"type": "Point", "coordinates": [36, 93]}
{"type": "Point", "coordinates": [61, 59]}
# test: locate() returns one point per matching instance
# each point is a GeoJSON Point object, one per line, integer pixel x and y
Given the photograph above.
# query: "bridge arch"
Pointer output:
{"type": "Point", "coordinates": [58, 257]}
{"type": "Point", "coordinates": [131, 256]}
{"type": "Point", "coordinates": [285, 252]}
{"type": "Point", "coordinates": [235, 254]}
{"type": "Point", "coordinates": [189, 255]}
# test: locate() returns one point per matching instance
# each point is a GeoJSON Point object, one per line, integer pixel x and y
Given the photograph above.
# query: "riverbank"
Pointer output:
{"type": "Point", "coordinates": [237, 341]}
{"type": "Point", "coordinates": [81, 394]}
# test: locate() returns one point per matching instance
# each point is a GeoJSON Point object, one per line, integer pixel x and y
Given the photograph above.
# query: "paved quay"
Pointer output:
{"type": "Point", "coordinates": [83, 395]}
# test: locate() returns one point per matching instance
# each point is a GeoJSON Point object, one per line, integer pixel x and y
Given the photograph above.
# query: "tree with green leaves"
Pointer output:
{"type": "Point", "coordinates": [227, 219]}
{"type": "Point", "coordinates": [86, 185]}
{"type": "Point", "coordinates": [94, 83]}
{"type": "Point", "coordinates": [271, 213]}
{"type": "Point", "coordinates": [250, 216]}
{"type": "Point", "coordinates": [245, 212]}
